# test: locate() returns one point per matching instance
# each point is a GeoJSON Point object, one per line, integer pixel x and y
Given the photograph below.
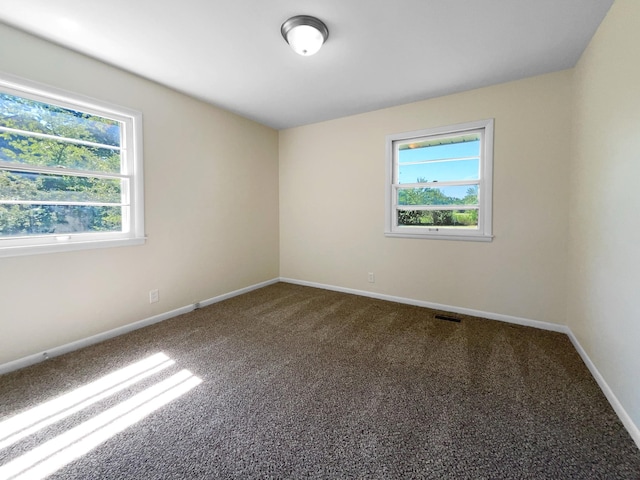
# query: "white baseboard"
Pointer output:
{"type": "Point", "coordinates": [85, 342]}
{"type": "Point", "coordinates": [101, 337]}
{"type": "Point", "coordinates": [554, 327]}
{"type": "Point", "coordinates": [624, 417]}
{"type": "Point", "coordinates": [235, 293]}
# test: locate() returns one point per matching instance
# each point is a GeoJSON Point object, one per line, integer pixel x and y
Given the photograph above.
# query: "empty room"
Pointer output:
{"type": "Point", "coordinates": [320, 239]}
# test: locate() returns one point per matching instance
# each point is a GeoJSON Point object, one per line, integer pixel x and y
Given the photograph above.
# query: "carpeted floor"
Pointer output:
{"type": "Point", "coordinates": [299, 383]}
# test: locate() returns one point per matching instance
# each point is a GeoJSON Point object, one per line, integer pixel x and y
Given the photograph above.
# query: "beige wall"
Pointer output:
{"type": "Point", "coordinates": [332, 183]}
{"type": "Point", "coordinates": [211, 193]}
{"type": "Point", "coordinates": [604, 247]}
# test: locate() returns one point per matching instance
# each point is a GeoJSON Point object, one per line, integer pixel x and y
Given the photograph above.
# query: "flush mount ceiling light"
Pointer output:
{"type": "Point", "coordinates": [305, 34]}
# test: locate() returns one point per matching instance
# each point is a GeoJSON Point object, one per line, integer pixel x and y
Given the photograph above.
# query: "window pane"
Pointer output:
{"type": "Point", "coordinates": [440, 148]}
{"type": "Point", "coordinates": [439, 218]}
{"type": "Point", "coordinates": [58, 188]}
{"type": "Point", "coordinates": [452, 195]}
{"type": "Point", "coordinates": [438, 182]}
{"type": "Point", "coordinates": [26, 220]}
{"type": "Point", "coordinates": [30, 115]}
{"type": "Point", "coordinates": [45, 152]}
{"type": "Point", "coordinates": [440, 171]}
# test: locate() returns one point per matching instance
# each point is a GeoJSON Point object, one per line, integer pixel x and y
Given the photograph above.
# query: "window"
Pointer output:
{"type": "Point", "coordinates": [70, 171]}
{"type": "Point", "coordinates": [439, 182]}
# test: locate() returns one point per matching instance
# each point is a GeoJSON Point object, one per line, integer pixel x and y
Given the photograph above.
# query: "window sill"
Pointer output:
{"type": "Point", "coordinates": [427, 236]}
{"type": "Point", "coordinates": [20, 250]}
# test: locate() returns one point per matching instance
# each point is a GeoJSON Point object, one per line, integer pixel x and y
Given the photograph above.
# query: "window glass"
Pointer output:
{"type": "Point", "coordinates": [453, 195]}
{"type": "Point", "coordinates": [46, 152]}
{"type": "Point", "coordinates": [440, 171]}
{"type": "Point", "coordinates": [70, 171]}
{"type": "Point", "coordinates": [41, 220]}
{"type": "Point", "coordinates": [440, 182]}
{"type": "Point", "coordinates": [32, 116]}
{"type": "Point", "coordinates": [439, 218]}
{"type": "Point", "coordinates": [21, 186]}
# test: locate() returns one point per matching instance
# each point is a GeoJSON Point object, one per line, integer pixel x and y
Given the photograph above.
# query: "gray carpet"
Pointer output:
{"type": "Point", "coordinates": [306, 383]}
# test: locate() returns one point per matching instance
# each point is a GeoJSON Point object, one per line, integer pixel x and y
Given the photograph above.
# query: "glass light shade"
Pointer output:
{"type": "Point", "coordinates": [305, 40]}
{"type": "Point", "coordinates": [304, 34]}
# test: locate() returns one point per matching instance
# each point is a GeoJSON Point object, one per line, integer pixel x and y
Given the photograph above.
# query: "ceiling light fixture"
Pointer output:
{"type": "Point", "coordinates": [304, 34]}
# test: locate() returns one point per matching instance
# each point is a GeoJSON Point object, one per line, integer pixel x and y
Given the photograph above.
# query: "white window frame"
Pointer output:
{"type": "Point", "coordinates": [484, 231]}
{"type": "Point", "coordinates": [131, 171]}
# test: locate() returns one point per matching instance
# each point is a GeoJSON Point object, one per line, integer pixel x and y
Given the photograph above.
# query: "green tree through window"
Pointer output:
{"type": "Point", "coordinates": [71, 171]}
{"type": "Point", "coordinates": [37, 136]}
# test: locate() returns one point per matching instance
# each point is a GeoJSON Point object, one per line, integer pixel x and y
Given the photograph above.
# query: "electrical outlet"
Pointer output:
{"type": "Point", "coordinates": [154, 296]}
{"type": "Point", "coordinates": [371, 278]}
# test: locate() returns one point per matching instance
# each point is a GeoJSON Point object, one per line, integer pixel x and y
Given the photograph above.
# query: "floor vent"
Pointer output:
{"type": "Point", "coordinates": [448, 319]}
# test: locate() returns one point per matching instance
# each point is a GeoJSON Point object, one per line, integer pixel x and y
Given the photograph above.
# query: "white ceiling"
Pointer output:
{"type": "Point", "coordinates": [379, 52]}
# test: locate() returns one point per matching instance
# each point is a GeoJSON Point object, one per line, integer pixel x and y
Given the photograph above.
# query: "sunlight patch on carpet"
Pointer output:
{"type": "Point", "coordinates": [54, 454]}
{"type": "Point", "coordinates": [45, 414]}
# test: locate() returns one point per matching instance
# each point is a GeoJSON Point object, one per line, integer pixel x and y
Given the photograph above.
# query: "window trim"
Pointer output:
{"type": "Point", "coordinates": [132, 167]}
{"type": "Point", "coordinates": [485, 218]}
